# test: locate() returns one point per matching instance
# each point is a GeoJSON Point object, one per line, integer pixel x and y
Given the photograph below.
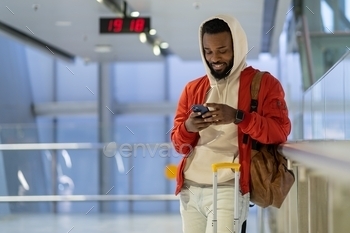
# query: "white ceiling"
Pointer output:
{"type": "Point", "coordinates": [176, 23]}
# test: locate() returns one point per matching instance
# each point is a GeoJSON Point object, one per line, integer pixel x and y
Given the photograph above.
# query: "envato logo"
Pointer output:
{"type": "Point", "coordinates": [127, 150]}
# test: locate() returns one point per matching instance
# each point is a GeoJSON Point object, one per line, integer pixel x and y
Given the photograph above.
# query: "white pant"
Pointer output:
{"type": "Point", "coordinates": [196, 206]}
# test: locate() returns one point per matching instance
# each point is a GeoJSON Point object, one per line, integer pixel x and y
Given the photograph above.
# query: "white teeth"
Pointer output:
{"type": "Point", "coordinates": [217, 66]}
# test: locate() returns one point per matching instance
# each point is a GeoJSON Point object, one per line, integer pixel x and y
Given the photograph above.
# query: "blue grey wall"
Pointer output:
{"type": "Point", "coordinates": [16, 115]}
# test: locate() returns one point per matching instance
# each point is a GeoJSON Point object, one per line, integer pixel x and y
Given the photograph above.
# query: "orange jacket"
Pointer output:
{"type": "Point", "coordinates": [270, 125]}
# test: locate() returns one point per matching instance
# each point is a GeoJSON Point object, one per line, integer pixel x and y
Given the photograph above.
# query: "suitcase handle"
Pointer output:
{"type": "Point", "coordinates": [217, 166]}
{"type": "Point", "coordinates": [235, 167]}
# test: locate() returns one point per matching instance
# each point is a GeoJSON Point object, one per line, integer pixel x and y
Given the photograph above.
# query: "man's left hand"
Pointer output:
{"type": "Point", "coordinates": [219, 114]}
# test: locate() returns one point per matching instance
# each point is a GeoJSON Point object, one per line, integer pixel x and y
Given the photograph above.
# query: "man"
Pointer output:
{"type": "Point", "coordinates": [217, 136]}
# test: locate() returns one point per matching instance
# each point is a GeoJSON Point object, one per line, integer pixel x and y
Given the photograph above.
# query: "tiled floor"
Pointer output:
{"type": "Point", "coordinates": [98, 223]}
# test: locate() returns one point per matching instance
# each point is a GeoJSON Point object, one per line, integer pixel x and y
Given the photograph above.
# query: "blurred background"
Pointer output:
{"type": "Point", "coordinates": [87, 107]}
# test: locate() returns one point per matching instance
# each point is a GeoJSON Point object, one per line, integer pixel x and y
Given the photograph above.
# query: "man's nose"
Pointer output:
{"type": "Point", "coordinates": [215, 58]}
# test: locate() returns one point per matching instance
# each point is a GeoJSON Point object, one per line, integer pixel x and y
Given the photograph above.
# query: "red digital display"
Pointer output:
{"type": "Point", "coordinates": [124, 25]}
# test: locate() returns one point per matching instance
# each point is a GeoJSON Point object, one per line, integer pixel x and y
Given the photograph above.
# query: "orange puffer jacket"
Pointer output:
{"type": "Point", "coordinates": [270, 125]}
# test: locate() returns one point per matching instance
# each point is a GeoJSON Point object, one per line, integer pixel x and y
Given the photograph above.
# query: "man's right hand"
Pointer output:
{"type": "Point", "coordinates": [195, 124]}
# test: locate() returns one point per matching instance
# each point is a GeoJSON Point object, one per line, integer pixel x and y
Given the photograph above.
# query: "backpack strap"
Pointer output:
{"type": "Point", "coordinates": [254, 93]}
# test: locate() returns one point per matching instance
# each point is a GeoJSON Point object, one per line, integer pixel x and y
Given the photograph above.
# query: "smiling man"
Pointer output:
{"type": "Point", "coordinates": [217, 136]}
{"type": "Point", "coordinates": [218, 50]}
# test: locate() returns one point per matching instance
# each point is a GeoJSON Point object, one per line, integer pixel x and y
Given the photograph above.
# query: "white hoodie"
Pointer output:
{"type": "Point", "coordinates": [219, 143]}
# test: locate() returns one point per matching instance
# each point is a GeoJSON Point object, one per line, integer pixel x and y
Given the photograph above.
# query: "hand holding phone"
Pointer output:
{"type": "Point", "coordinates": [195, 125]}
{"type": "Point", "coordinates": [200, 108]}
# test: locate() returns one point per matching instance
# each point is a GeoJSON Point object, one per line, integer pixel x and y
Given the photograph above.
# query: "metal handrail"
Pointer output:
{"type": "Point", "coordinates": [328, 156]}
{"type": "Point", "coordinates": [66, 146]}
{"type": "Point", "coordinates": [56, 198]}
{"type": "Point", "coordinates": [79, 146]}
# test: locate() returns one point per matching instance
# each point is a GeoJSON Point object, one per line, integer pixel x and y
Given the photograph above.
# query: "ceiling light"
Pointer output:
{"type": "Point", "coordinates": [135, 14]}
{"type": "Point", "coordinates": [63, 23]}
{"type": "Point", "coordinates": [156, 50]}
{"type": "Point", "coordinates": [100, 1]}
{"type": "Point", "coordinates": [152, 32]}
{"type": "Point", "coordinates": [164, 45]}
{"type": "Point", "coordinates": [143, 37]}
{"type": "Point", "coordinates": [103, 48]}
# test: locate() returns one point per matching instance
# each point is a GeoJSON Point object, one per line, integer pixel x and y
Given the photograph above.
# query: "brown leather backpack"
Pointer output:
{"type": "Point", "coordinates": [270, 178]}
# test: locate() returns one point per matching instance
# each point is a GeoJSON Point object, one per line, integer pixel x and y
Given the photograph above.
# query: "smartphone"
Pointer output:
{"type": "Point", "coordinates": [200, 108]}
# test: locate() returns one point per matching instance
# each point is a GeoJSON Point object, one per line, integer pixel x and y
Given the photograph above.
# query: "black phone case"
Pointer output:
{"type": "Point", "coordinates": [200, 108]}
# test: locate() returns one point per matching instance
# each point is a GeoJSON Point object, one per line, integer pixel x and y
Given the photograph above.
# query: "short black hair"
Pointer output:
{"type": "Point", "coordinates": [214, 26]}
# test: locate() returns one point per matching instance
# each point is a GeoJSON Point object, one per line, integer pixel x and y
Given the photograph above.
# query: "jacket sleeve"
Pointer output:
{"type": "Point", "coordinates": [183, 141]}
{"type": "Point", "coordinates": [271, 124]}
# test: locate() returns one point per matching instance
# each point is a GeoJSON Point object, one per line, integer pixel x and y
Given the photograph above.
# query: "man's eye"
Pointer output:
{"type": "Point", "coordinates": [223, 51]}
{"type": "Point", "coordinates": [208, 52]}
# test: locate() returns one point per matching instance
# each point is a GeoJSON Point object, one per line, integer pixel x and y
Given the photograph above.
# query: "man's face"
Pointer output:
{"type": "Point", "coordinates": [218, 53]}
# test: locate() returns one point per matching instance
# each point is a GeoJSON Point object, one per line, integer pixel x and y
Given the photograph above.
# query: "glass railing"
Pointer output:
{"type": "Point", "coordinates": [320, 161]}
{"type": "Point", "coordinates": [327, 104]}
{"type": "Point", "coordinates": [58, 169]}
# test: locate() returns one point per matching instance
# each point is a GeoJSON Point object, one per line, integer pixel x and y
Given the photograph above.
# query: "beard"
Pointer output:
{"type": "Point", "coordinates": [224, 73]}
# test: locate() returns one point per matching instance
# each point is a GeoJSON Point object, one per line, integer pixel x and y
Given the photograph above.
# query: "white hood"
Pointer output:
{"type": "Point", "coordinates": [240, 47]}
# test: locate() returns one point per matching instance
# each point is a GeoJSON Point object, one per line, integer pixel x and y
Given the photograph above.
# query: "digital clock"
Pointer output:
{"type": "Point", "coordinates": [124, 25]}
